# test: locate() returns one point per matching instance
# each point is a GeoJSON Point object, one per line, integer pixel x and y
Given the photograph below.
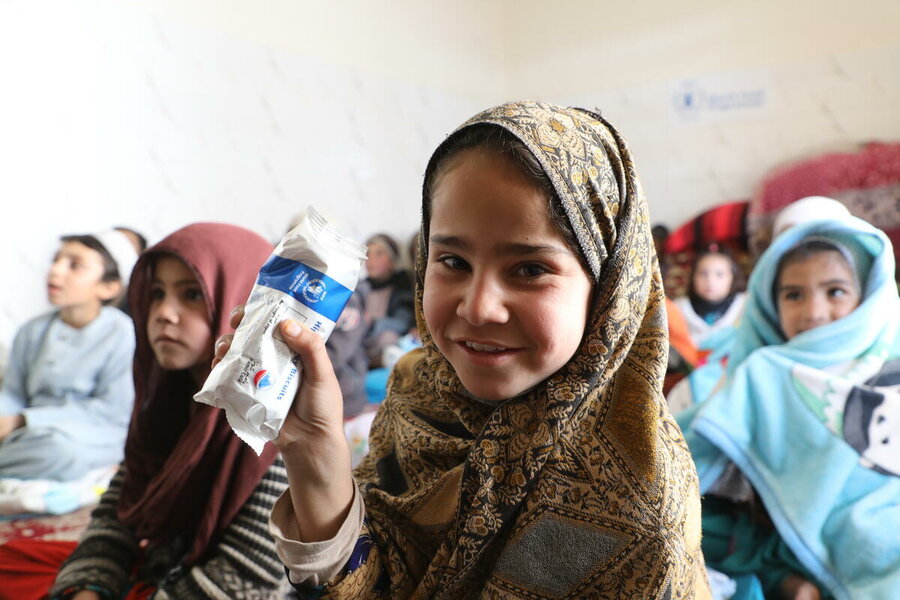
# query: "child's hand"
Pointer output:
{"type": "Point", "coordinates": [317, 417]}
{"type": "Point", "coordinates": [794, 587]}
{"type": "Point", "coordinates": [10, 424]}
{"type": "Point", "coordinates": [311, 440]}
{"type": "Point", "coordinates": [314, 427]}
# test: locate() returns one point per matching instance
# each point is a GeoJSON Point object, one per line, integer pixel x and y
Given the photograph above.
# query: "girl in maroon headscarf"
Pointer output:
{"type": "Point", "coordinates": [186, 515]}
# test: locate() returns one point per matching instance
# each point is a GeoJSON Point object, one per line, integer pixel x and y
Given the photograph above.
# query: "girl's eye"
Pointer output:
{"type": "Point", "coordinates": [453, 263]}
{"type": "Point", "coordinates": [837, 292]}
{"type": "Point", "coordinates": [193, 294]}
{"type": "Point", "coordinates": [790, 296]}
{"type": "Point", "coordinates": [156, 294]}
{"type": "Point", "coordinates": [533, 270]}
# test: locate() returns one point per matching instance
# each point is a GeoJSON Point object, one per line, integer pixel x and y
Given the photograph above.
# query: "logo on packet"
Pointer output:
{"type": "Point", "coordinates": [315, 290]}
{"type": "Point", "coordinates": [263, 380]}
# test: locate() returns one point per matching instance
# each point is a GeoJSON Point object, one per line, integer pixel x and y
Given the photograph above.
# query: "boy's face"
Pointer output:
{"type": "Point", "coordinates": [815, 291]}
{"type": "Point", "coordinates": [178, 324]}
{"type": "Point", "coordinates": [713, 278]}
{"type": "Point", "coordinates": [74, 277]}
{"type": "Point", "coordinates": [505, 298]}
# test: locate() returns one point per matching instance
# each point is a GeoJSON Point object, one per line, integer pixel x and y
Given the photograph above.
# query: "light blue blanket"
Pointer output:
{"type": "Point", "coordinates": [812, 423]}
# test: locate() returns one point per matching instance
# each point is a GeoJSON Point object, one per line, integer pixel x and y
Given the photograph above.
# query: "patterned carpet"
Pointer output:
{"type": "Point", "coordinates": [67, 527]}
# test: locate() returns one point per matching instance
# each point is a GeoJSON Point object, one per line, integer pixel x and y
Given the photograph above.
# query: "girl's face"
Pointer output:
{"type": "Point", "coordinates": [505, 298]}
{"type": "Point", "coordinates": [713, 278]}
{"type": "Point", "coordinates": [379, 264]}
{"type": "Point", "coordinates": [178, 324]}
{"type": "Point", "coordinates": [75, 276]}
{"type": "Point", "coordinates": [815, 291]}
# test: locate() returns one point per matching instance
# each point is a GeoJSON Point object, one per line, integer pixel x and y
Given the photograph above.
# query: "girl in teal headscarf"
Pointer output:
{"type": "Point", "coordinates": [796, 452]}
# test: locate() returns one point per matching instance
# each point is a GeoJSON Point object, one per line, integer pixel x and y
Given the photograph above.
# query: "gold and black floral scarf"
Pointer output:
{"type": "Point", "coordinates": [582, 487]}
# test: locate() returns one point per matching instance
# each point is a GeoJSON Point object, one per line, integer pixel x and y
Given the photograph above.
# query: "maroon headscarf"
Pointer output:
{"type": "Point", "coordinates": [186, 472]}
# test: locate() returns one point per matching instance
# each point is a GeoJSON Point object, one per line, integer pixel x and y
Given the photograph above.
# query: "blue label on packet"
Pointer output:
{"type": "Point", "coordinates": [308, 286]}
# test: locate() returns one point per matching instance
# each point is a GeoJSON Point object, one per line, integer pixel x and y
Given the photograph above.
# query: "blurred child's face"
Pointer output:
{"type": "Point", "coordinates": [713, 278]}
{"type": "Point", "coordinates": [505, 298]}
{"type": "Point", "coordinates": [815, 291]}
{"type": "Point", "coordinates": [74, 277]}
{"type": "Point", "coordinates": [178, 323]}
{"type": "Point", "coordinates": [379, 264]}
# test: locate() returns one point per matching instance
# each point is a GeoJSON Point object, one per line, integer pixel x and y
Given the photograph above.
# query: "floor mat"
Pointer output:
{"type": "Point", "coordinates": [67, 527]}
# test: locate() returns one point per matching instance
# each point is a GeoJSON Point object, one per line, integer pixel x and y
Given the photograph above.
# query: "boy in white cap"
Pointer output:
{"type": "Point", "coordinates": [67, 395]}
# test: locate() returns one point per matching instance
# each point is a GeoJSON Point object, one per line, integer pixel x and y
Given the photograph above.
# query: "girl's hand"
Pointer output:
{"type": "Point", "coordinates": [312, 442]}
{"type": "Point", "coordinates": [312, 436]}
{"type": "Point", "coordinates": [317, 415]}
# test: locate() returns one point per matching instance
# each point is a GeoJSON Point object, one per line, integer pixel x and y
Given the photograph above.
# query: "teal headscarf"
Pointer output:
{"type": "Point", "coordinates": [874, 321]}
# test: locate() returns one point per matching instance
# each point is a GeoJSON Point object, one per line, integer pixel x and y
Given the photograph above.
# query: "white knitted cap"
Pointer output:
{"type": "Point", "coordinates": [121, 249]}
{"type": "Point", "coordinates": [811, 208]}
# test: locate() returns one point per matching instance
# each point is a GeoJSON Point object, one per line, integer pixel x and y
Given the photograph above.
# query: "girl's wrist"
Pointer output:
{"type": "Point", "coordinates": [317, 462]}
{"type": "Point", "coordinates": [320, 511]}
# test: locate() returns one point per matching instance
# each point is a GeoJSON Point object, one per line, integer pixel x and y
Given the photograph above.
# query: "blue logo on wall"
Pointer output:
{"type": "Point", "coordinates": [689, 99]}
{"type": "Point", "coordinates": [693, 100]}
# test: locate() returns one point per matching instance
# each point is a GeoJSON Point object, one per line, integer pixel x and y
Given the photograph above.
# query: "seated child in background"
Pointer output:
{"type": "Point", "coordinates": [347, 353]}
{"type": "Point", "coordinates": [186, 513]}
{"type": "Point", "coordinates": [377, 378]}
{"type": "Point", "coordinates": [140, 244]}
{"type": "Point", "coordinates": [67, 396]}
{"type": "Point", "coordinates": [136, 238]}
{"type": "Point", "coordinates": [795, 451]}
{"type": "Point", "coordinates": [683, 353]}
{"type": "Point", "coordinates": [660, 235]}
{"type": "Point", "coordinates": [714, 301]}
{"type": "Point", "coordinates": [389, 299]}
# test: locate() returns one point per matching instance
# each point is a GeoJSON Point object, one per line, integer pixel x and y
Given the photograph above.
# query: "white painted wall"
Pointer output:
{"type": "Point", "coordinates": [829, 70]}
{"type": "Point", "coordinates": [155, 113]}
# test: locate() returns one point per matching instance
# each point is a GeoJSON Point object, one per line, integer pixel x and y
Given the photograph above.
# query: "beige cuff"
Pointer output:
{"type": "Point", "coordinates": [314, 563]}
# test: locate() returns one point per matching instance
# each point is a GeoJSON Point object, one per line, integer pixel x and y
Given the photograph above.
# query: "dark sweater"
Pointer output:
{"type": "Point", "coordinates": [242, 565]}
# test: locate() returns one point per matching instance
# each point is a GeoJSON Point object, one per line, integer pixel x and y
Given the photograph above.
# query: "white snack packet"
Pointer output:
{"type": "Point", "coordinates": [309, 278]}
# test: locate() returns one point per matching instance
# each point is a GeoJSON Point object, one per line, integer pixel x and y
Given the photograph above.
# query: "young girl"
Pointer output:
{"type": "Point", "coordinates": [389, 297]}
{"type": "Point", "coordinates": [67, 395]}
{"type": "Point", "coordinates": [525, 450]}
{"type": "Point", "coordinates": [713, 301]}
{"type": "Point", "coordinates": [795, 453]}
{"type": "Point", "coordinates": [186, 513]}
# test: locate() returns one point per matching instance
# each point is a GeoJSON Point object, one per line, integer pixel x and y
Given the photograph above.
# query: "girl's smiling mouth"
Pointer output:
{"type": "Point", "coordinates": [484, 347]}
{"type": "Point", "coordinates": [484, 354]}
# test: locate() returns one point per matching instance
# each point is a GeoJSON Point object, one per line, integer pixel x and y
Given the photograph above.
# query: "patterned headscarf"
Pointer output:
{"type": "Point", "coordinates": [581, 487]}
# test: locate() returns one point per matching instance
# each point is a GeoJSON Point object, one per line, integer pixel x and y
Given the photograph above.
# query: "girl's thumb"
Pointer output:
{"type": "Point", "coordinates": [311, 348]}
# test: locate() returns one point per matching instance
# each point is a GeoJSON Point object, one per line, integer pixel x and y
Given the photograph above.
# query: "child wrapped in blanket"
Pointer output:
{"type": "Point", "coordinates": [794, 452]}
